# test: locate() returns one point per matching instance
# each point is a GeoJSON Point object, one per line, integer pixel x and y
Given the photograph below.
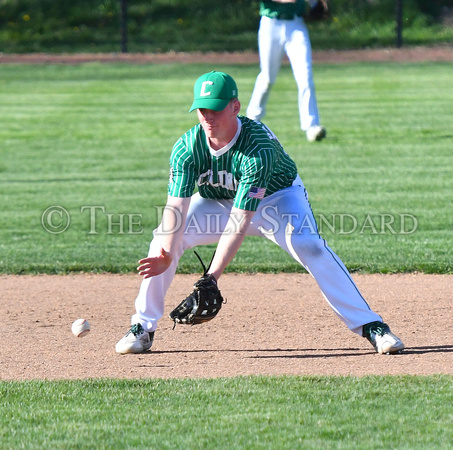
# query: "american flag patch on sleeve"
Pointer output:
{"type": "Point", "coordinates": [256, 192]}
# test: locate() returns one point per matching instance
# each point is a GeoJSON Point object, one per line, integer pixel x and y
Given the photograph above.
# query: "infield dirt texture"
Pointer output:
{"type": "Point", "coordinates": [271, 324]}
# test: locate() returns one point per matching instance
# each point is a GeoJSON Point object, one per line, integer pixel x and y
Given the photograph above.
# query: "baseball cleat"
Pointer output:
{"type": "Point", "coordinates": [316, 133]}
{"type": "Point", "coordinates": [136, 340]}
{"type": "Point", "coordinates": [382, 339]}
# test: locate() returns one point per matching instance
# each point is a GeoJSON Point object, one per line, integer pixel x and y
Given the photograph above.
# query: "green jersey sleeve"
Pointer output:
{"type": "Point", "coordinates": [256, 172]}
{"type": "Point", "coordinates": [264, 167]}
{"type": "Point", "coordinates": [182, 174]}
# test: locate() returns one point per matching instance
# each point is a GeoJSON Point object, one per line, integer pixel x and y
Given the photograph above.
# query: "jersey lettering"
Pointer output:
{"type": "Point", "coordinates": [224, 180]}
{"type": "Point", "coordinates": [203, 92]}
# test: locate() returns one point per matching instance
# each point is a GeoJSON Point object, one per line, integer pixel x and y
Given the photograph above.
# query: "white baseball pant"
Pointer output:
{"type": "Point", "coordinates": [275, 37]}
{"type": "Point", "coordinates": [284, 218]}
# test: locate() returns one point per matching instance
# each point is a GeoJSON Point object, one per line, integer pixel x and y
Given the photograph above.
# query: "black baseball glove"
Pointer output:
{"type": "Point", "coordinates": [319, 12]}
{"type": "Point", "coordinates": [202, 304]}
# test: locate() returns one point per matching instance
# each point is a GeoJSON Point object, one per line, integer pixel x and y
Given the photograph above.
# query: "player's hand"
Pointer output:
{"type": "Point", "coordinates": [155, 265]}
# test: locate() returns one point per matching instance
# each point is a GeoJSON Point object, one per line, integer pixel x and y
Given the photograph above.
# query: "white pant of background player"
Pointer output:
{"type": "Point", "coordinates": [275, 37]}
{"type": "Point", "coordinates": [286, 219]}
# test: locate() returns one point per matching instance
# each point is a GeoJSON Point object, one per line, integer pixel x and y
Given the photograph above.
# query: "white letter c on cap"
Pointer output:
{"type": "Point", "coordinates": [203, 92]}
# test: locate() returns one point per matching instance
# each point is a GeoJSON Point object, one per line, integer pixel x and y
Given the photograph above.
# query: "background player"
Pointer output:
{"type": "Point", "coordinates": [283, 30]}
{"type": "Point", "coordinates": [249, 184]}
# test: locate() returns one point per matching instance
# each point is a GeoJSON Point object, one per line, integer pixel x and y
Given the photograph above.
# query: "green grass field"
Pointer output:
{"type": "Point", "coordinates": [247, 412]}
{"type": "Point", "coordinates": [95, 140]}
{"type": "Point", "coordinates": [91, 143]}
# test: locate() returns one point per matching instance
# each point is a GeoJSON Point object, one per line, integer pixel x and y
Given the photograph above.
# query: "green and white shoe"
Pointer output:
{"type": "Point", "coordinates": [382, 339]}
{"type": "Point", "coordinates": [136, 340]}
{"type": "Point", "coordinates": [316, 133]}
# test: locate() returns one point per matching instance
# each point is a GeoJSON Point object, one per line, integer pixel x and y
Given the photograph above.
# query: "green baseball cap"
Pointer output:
{"type": "Point", "coordinates": [213, 90]}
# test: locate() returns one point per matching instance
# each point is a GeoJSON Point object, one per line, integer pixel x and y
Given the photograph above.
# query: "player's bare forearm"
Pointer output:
{"type": "Point", "coordinates": [284, 1]}
{"type": "Point", "coordinates": [168, 235]}
{"type": "Point", "coordinates": [173, 219]}
{"type": "Point", "coordinates": [231, 240]}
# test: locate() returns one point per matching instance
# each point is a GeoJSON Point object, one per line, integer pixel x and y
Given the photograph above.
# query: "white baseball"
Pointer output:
{"type": "Point", "coordinates": [80, 327]}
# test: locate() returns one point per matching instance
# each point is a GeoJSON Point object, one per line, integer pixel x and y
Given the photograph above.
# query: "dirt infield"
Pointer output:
{"type": "Point", "coordinates": [271, 324]}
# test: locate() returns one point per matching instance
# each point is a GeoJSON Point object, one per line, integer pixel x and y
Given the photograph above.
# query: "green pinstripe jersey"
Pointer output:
{"type": "Point", "coordinates": [275, 10]}
{"type": "Point", "coordinates": [254, 165]}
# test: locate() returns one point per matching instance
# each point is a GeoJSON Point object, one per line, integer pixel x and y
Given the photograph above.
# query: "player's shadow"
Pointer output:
{"type": "Point", "coordinates": [310, 353]}
{"type": "Point", "coordinates": [429, 349]}
{"type": "Point", "coordinates": [280, 352]}
{"type": "Point", "coordinates": [360, 352]}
